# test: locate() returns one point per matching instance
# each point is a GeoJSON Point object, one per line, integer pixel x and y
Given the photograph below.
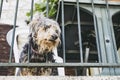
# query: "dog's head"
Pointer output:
{"type": "Point", "coordinates": [45, 33]}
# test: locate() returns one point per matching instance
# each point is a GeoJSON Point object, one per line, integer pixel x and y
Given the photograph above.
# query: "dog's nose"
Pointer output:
{"type": "Point", "coordinates": [54, 37]}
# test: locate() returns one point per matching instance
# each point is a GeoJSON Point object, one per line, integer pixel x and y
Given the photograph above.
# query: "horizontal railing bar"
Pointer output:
{"type": "Point", "coordinates": [95, 2]}
{"type": "Point", "coordinates": [77, 51]}
{"type": "Point", "coordinates": [59, 65]}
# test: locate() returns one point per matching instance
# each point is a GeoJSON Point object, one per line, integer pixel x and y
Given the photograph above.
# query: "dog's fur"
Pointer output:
{"type": "Point", "coordinates": [43, 39]}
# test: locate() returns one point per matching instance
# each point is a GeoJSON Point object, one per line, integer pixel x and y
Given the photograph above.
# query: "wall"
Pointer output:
{"type": "Point", "coordinates": [8, 11]}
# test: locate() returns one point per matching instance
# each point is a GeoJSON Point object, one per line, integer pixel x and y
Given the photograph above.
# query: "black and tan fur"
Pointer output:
{"type": "Point", "coordinates": [43, 39]}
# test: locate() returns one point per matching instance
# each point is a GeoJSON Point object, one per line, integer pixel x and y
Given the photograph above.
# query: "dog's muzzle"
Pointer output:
{"type": "Point", "coordinates": [53, 37]}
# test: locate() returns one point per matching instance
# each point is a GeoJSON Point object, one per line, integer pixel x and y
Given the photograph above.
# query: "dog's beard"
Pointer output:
{"type": "Point", "coordinates": [45, 46]}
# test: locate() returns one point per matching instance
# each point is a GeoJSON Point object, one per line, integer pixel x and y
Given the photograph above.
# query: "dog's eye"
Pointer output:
{"type": "Point", "coordinates": [46, 27]}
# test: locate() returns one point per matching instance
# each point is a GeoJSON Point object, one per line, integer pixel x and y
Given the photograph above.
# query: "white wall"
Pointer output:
{"type": "Point", "coordinates": [8, 11]}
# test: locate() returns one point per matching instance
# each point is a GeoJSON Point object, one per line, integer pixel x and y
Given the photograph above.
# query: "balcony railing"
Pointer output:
{"type": "Point", "coordinates": [90, 37]}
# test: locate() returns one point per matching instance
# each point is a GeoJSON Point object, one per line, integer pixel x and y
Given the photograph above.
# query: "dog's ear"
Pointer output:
{"type": "Point", "coordinates": [32, 26]}
{"type": "Point", "coordinates": [37, 21]}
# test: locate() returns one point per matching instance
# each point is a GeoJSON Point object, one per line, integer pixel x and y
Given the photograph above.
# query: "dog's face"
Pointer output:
{"type": "Point", "coordinates": [45, 33]}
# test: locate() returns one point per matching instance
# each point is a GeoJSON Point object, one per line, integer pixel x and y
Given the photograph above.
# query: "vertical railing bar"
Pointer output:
{"type": "Point", "coordinates": [12, 43]}
{"type": "Point", "coordinates": [74, 13]}
{"type": "Point", "coordinates": [99, 71]}
{"type": "Point", "coordinates": [110, 71]}
{"type": "Point", "coordinates": [1, 4]}
{"type": "Point", "coordinates": [47, 8]}
{"type": "Point", "coordinates": [76, 73]}
{"type": "Point", "coordinates": [96, 31]}
{"type": "Point", "coordinates": [79, 32]}
{"type": "Point", "coordinates": [31, 17]}
{"type": "Point", "coordinates": [112, 35]}
{"type": "Point", "coordinates": [57, 11]}
{"type": "Point", "coordinates": [47, 15]}
{"type": "Point", "coordinates": [114, 71]}
{"type": "Point", "coordinates": [63, 31]}
{"type": "Point", "coordinates": [32, 4]}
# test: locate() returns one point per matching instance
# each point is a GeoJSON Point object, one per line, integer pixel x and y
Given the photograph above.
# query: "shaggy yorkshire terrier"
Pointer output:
{"type": "Point", "coordinates": [43, 39]}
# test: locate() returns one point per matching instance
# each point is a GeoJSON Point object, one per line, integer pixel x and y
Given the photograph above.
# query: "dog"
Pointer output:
{"type": "Point", "coordinates": [44, 37]}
